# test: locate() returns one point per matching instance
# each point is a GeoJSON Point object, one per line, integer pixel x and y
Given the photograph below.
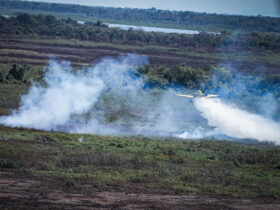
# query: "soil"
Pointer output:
{"type": "Point", "coordinates": [79, 55]}
{"type": "Point", "coordinates": [20, 192]}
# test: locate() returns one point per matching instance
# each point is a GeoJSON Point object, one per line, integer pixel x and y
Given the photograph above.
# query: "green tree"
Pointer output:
{"type": "Point", "coordinates": [50, 19]}
{"type": "Point", "coordinates": [16, 72]}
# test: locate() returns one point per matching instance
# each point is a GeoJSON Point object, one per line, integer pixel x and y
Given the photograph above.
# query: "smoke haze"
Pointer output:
{"type": "Point", "coordinates": [231, 121]}
{"type": "Point", "coordinates": [110, 98]}
{"type": "Point", "coordinates": [64, 95]}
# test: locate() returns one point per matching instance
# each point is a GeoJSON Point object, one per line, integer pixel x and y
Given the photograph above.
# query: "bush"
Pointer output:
{"type": "Point", "coordinates": [182, 75]}
{"type": "Point", "coordinates": [6, 163]}
{"type": "Point", "coordinates": [18, 72]}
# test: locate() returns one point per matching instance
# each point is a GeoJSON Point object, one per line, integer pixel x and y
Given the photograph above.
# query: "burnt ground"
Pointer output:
{"type": "Point", "coordinates": [13, 51]}
{"type": "Point", "coordinates": [20, 192]}
{"type": "Point", "coordinates": [86, 55]}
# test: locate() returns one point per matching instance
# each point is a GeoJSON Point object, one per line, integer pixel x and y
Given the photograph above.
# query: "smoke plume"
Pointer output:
{"type": "Point", "coordinates": [65, 94]}
{"type": "Point", "coordinates": [231, 121]}
{"type": "Point", "coordinates": [110, 98]}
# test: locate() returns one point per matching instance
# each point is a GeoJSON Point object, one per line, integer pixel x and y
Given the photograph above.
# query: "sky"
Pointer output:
{"type": "Point", "coordinates": [239, 7]}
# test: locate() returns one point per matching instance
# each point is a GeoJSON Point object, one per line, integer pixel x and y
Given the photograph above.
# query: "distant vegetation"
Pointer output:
{"type": "Point", "coordinates": [38, 25]}
{"type": "Point", "coordinates": [182, 19]}
{"type": "Point", "coordinates": [11, 74]}
{"type": "Point", "coordinates": [237, 87]}
{"type": "Point", "coordinates": [227, 84]}
{"type": "Point", "coordinates": [159, 77]}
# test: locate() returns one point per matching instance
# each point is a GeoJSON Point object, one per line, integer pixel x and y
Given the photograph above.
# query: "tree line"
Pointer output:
{"type": "Point", "coordinates": [48, 25]}
{"type": "Point", "coordinates": [181, 75]}
{"type": "Point", "coordinates": [234, 86]}
{"type": "Point", "coordinates": [156, 17]}
{"type": "Point", "coordinates": [209, 77]}
{"type": "Point", "coordinates": [227, 84]}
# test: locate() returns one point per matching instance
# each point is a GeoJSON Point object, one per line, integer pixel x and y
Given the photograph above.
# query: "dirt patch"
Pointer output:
{"type": "Point", "coordinates": [17, 191]}
{"type": "Point", "coordinates": [21, 51]}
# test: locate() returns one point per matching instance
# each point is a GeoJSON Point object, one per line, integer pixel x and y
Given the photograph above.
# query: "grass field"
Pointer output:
{"type": "Point", "coordinates": [266, 57]}
{"type": "Point", "coordinates": [37, 52]}
{"type": "Point", "coordinates": [80, 163]}
{"type": "Point", "coordinates": [48, 169]}
{"type": "Point", "coordinates": [138, 164]}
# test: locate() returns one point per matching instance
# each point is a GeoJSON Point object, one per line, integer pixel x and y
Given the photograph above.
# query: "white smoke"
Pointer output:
{"type": "Point", "coordinates": [108, 98]}
{"type": "Point", "coordinates": [231, 121]}
{"type": "Point", "coordinates": [65, 93]}
{"type": "Point", "coordinates": [198, 133]}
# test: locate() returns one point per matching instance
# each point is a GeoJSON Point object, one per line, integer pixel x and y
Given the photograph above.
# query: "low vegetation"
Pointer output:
{"type": "Point", "coordinates": [138, 164]}
{"type": "Point", "coordinates": [79, 162]}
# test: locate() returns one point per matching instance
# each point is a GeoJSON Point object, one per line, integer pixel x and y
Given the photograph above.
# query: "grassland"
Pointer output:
{"type": "Point", "coordinates": [266, 57]}
{"type": "Point", "coordinates": [78, 163]}
{"type": "Point", "coordinates": [135, 164]}
{"type": "Point", "coordinates": [37, 51]}
{"type": "Point", "coordinates": [138, 164]}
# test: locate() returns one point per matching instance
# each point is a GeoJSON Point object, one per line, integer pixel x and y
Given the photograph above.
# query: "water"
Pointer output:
{"type": "Point", "coordinates": [152, 29]}
{"type": "Point", "coordinates": [81, 22]}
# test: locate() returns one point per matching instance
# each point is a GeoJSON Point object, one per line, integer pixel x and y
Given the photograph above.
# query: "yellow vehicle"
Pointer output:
{"type": "Point", "coordinates": [198, 94]}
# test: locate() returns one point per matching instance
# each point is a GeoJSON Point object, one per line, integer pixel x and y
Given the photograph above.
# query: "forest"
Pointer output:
{"type": "Point", "coordinates": [48, 25]}
{"type": "Point", "coordinates": [179, 19]}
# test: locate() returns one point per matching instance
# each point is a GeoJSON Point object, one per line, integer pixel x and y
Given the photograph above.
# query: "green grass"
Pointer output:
{"type": "Point", "coordinates": [139, 164]}
{"type": "Point", "coordinates": [75, 42]}
{"type": "Point", "coordinates": [10, 96]}
{"type": "Point", "coordinates": [267, 57]}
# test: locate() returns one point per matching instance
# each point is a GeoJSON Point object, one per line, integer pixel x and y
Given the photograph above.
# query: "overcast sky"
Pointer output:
{"type": "Point", "coordinates": [242, 7]}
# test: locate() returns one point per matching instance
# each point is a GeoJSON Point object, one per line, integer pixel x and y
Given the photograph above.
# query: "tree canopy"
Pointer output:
{"type": "Point", "coordinates": [156, 17]}
{"type": "Point", "coordinates": [49, 25]}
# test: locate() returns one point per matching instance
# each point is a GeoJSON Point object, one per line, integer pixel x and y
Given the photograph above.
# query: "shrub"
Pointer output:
{"type": "Point", "coordinates": [6, 163]}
